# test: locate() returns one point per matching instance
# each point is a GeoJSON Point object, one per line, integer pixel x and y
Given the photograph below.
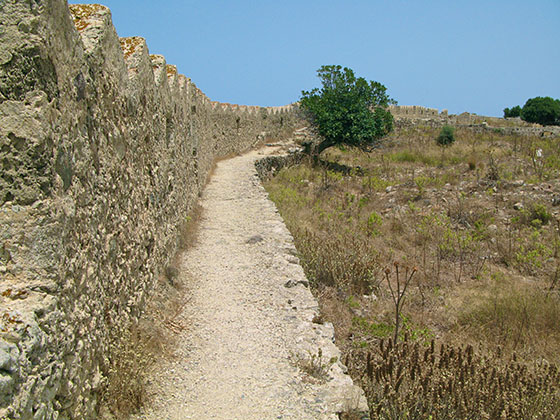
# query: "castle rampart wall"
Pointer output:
{"type": "Point", "coordinates": [104, 150]}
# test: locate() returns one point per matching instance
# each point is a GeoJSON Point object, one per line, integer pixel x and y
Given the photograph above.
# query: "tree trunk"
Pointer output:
{"type": "Point", "coordinates": [314, 149]}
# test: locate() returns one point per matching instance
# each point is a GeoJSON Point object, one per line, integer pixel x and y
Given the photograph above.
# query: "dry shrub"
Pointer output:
{"type": "Point", "coordinates": [128, 368]}
{"type": "Point", "coordinates": [352, 414]}
{"type": "Point", "coordinates": [132, 358]}
{"type": "Point", "coordinates": [344, 261]}
{"type": "Point", "coordinates": [314, 365]}
{"type": "Point", "coordinates": [410, 381]}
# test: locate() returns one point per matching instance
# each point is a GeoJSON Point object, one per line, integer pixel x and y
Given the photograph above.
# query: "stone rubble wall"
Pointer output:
{"type": "Point", "coordinates": [104, 149]}
{"type": "Point", "coordinates": [413, 111]}
{"type": "Point", "coordinates": [413, 115]}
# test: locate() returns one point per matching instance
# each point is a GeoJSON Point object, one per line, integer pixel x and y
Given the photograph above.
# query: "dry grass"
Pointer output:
{"type": "Point", "coordinates": [314, 365]}
{"type": "Point", "coordinates": [188, 231]}
{"type": "Point", "coordinates": [518, 317]}
{"type": "Point", "coordinates": [476, 220]}
{"type": "Point", "coordinates": [135, 355]}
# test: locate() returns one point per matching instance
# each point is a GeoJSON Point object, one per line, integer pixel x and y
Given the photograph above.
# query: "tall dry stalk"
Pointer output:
{"type": "Point", "coordinates": [398, 291]}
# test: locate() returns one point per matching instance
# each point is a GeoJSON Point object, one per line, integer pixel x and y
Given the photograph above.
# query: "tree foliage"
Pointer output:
{"type": "Point", "coordinates": [347, 109]}
{"type": "Point", "coordinates": [513, 112]}
{"type": "Point", "coordinates": [446, 136]}
{"type": "Point", "coordinates": [545, 111]}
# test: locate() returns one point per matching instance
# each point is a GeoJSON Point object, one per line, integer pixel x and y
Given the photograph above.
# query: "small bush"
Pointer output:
{"type": "Point", "coordinates": [315, 365]}
{"type": "Point", "coordinates": [374, 221]}
{"type": "Point", "coordinates": [346, 263]}
{"type": "Point", "coordinates": [446, 136]}
{"type": "Point", "coordinates": [372, 329]}
{"type": "Point", "coordinates": [535, 215]}
{"type": "Point", "coordinates": [540, 212]}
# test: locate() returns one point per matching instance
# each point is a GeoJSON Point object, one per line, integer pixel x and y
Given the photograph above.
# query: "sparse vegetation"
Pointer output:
{"type": "Point", "coordinates": [480, 226]}
{"type": "Point", "coordinates": [151, 339]}
{"type": "Point", "coordinates": [315, 365]}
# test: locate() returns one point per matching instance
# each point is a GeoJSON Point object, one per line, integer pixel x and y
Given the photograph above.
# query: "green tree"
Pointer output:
{"type": "Point", "coordinates": [445, 139]}
{"type": "Point", "coordinates": [513, 112]}
{"type": "Point", "coordinates": [347, 109]}
{"type": "Point", "coordinates": [545, 111]}
{"type": "Point", "coordinates": [446, 136]}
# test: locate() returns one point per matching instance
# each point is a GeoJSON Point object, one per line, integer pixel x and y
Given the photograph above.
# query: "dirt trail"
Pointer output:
{"type": "Point", "coordinates": [249, 318]}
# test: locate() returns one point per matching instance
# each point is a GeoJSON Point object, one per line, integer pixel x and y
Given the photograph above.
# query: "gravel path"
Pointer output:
{"type": "Point", "coordinates": [247, 348]}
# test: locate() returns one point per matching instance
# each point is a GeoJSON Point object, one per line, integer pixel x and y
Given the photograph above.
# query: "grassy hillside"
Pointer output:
{"type": "Point", "coordinates": [473, 232]}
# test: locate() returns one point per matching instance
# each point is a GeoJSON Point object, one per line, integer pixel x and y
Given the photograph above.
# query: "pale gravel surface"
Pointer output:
{"type": "Point", "coordinates": [238, 356]}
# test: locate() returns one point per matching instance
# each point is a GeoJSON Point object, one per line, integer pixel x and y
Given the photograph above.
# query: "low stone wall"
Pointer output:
{"type": "Point", "coordinates": [268, 167]}
{"type": "Point", "coordinates": [104, 149]}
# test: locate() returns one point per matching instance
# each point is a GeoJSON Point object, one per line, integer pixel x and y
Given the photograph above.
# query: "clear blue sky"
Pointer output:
{"type": "Point", "coordinates": [463, 55]}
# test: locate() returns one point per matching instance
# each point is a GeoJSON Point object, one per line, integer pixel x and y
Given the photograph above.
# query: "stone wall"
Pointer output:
{"type": "Point", "coordinates": [104, 149]}
{"type": "Point", "coordinates": [413, 111]}
{"type": "Point", "coordinates": [413, 115]}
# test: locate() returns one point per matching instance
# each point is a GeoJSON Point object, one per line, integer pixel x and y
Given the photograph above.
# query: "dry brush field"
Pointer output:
{"type": "Point", "coordinates": [440, 269]}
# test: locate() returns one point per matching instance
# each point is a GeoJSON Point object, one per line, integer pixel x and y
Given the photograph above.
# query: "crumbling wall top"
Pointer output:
{"type": "Point", "coordinates": [85, 14]}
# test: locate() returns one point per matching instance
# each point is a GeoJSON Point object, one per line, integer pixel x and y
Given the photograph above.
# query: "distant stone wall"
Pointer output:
{"type": "Point", "coordinates": [412, 115]}
{"type": "Point", "coordinates": [104, 149]}
{"type": "Point", "coordinates": [413, 111]}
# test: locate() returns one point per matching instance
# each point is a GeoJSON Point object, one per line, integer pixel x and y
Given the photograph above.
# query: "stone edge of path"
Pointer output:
{"type": "Point", "coordinates": [342, 394]}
